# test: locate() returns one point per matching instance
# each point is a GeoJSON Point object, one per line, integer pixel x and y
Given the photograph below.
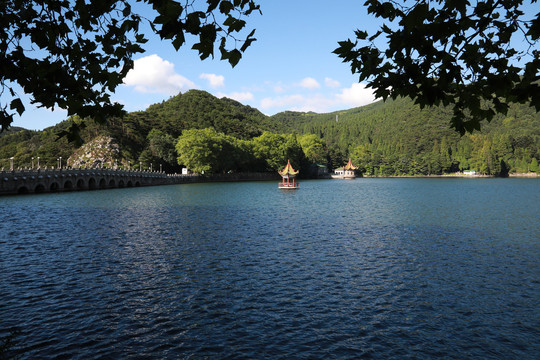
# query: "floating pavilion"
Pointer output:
{"type": "Point", "coordinates": [287, 174]}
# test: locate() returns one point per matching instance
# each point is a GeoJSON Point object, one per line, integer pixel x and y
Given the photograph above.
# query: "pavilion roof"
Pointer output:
{"type": "Point", "coordinates": [288, 170]}
{"type": "Point", "coordinates": [350, 166]}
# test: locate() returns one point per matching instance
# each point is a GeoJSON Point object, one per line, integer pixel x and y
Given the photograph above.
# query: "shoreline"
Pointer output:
{"type": "Point", "coordinates": [62, 180]}
{"type": "Point", "coordinates": [457, 175]}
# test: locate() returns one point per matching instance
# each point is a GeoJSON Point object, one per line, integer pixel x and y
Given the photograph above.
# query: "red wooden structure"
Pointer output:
{"type": "Point", "coordinates": [288, 174]}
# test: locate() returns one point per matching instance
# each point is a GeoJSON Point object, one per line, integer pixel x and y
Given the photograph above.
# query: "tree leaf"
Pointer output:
{"type": "Point", "coordinates": [225, 7]}
{"type": "Point", "coordinates": [16, 104]}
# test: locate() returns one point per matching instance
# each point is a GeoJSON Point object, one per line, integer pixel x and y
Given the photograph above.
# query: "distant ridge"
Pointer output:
{"type": "Point", "coordinates": [11, 130]}
{"type": "Point", "coordinates": [389, 138]}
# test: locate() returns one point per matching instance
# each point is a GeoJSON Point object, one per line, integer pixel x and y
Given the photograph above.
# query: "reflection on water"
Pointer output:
{"type": "Point", "coordinates": [374, 268]}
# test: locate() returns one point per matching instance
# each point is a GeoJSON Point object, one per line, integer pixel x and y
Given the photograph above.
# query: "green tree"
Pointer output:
{"type": "Point", "coordinates": [534, 165]}
{"type": "Point", "coordinates": [361, 157]}
{"type": "Point", "coordinates": [146, 160]}
{"type": "Point", "coordinates": [160, 151]}
{"type": "Point", "coordinates": [463, 153]}
{"type": "Point", "coordinates": [335, 158]}
{"type": "Point", "coordinates": [483, 158]}
{"type": "Point", "coordinates": [522, 165]}
{"type": "Point", "coordinates": [244, 157]}
{"type": "Point", "coordinates": [313, 147]}
{"type": "Point", "coordinates": [73, 54]}
{"type": "Point", "coordinates": [162, 146]}
{"type": "Point", "coordinates": [446, 160]}
{"type": "Point", "coordinates": [206, 150]}
{"type": "Point", "coordinates": [274, 150]}
{"type": "Point", "coordinates": [451, 52]}
{"type": "Point", "coordinates": [502, 149]}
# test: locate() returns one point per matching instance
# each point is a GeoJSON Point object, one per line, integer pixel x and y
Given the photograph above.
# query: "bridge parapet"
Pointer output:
{"type": "Point", "coordinates": [67, 179]}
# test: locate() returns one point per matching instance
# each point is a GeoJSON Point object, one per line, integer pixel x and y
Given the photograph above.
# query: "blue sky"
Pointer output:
{"type": "Point", "coordinates": [290, 67]}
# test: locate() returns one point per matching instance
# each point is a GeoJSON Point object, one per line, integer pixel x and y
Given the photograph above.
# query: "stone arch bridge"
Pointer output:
{"type": "Point", "coordinates": [59, 180]}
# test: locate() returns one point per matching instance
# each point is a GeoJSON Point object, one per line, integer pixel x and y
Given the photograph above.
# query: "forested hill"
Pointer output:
{"type": "Point", "coordinates": [401, 123]}
{"type": "Point", "coordinates": [11, 130]}
{"type": "Point", "coordinates": [199, 110]}
{"type": "Point", "coordinates": [399, 138]}
{"type": "Point", "coordinates": [142, 135]}
{"type": "Point", "coordinates": [384, 138]}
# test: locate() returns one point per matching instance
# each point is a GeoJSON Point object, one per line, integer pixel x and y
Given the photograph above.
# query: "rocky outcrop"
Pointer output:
{"type": "Point", "coordinates": [103, 151]}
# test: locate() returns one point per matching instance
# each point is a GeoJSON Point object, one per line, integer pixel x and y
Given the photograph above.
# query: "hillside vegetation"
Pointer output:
{"type": "Point", "coordinates": [209, 134]}
{"type": "Point", "coordinates": [398, 138]}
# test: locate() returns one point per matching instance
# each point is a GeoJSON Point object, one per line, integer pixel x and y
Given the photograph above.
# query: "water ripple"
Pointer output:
{"type": "Point", "coordinates": [210, 272]}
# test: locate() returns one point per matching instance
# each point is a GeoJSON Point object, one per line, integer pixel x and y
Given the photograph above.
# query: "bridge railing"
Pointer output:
{"type": "Point", "coordinates": [21, 181]}
{"type": "Point", "coordinates": [109, 171]}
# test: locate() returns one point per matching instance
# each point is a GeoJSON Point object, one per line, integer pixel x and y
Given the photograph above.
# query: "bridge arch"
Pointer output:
{"type": "Point", "coordinates": [91, 183]}
{"type": "Point", "coordinates": [102, 183]}
{"type": "Point", "coordinates": [22, 190]}
{"type": "Point", "coordinates": [68, 185]}
{"type": "Point", "coordinates": [80, 184]}
{"type": "Point", "coordinates": [112, 183]}
{"type": "Point", "coordinates": [54, 187]}
{"type": "Point", "coordinates": [40, 188]}
{"type": "Point", "coordinates": [129, 183]}
{"type": "Point", "coordinates": [121, 183]}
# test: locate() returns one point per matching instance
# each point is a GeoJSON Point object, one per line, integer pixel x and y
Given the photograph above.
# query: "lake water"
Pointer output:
{"type": "Point", "coordinates": [368, 268]}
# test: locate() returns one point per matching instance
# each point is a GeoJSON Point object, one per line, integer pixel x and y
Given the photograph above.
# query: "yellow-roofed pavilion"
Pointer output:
{"type": "Point", "coordinates": [349, 170]}
{"type": "Point", "coordinates": [288, 174]}
{"type": "Point", "coordinates": [346, 172]}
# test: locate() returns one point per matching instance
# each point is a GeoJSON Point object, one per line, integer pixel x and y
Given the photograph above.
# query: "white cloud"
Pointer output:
{"type": "Point", "coordinates": [215, 81]}
{"type": "Point", "coordinates": [331, 82]}
{"type": "Point", "coordinates": [286, 102]}
{"type": "Point", "coordinates": [238, 96]}
{"type": "Point", "coordinates": [310, 83]}
{"type": "Point", "coordinates": [152, 74]}
{"type": "Point", "coordinates": [279, 89]}
{"type": "Point", "coordinates": [356, 95]}
{"type": "Point", "coordinates": [296, 102]}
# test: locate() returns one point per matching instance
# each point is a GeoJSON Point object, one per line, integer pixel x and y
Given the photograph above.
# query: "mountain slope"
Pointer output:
{"type": "Point", "coordinates": [397, 137]}
{"type": "Point", "coordinates": [193, 109]}
{"type": "Point", "coordinates": [388, 138]}
{"type": "Point", "coordinates": [199, 109]}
